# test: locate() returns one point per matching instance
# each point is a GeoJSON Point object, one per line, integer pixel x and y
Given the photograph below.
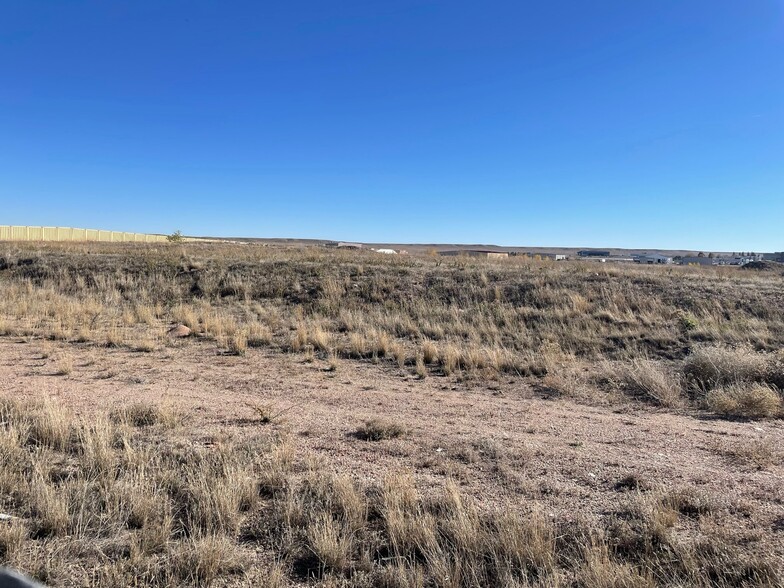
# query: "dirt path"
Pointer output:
{"type": "Point", "coordinates": [502, 444]}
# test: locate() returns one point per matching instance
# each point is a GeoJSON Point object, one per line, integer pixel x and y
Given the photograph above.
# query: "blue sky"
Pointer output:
{"type": "Point", "coordinates": [653, 123]}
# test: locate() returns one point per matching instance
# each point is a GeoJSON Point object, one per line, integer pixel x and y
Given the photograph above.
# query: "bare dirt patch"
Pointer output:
{"type": "Point", "coordinates": [502, 444]}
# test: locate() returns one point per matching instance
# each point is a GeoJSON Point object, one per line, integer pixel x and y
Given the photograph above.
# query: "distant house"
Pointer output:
{"type": "Point", "coordinates": [652, 259]}
{"type": "Point", "coordinates": [350, 245]}
{"type": "Point", "coordinates": [593, 253]}
{"type": "Point", "coordinates": [488, 253]}
{"type": "Point", "coordinates": [779, 256]}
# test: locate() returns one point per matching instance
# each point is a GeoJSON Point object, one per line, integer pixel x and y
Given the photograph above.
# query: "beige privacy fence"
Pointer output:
{"type": "Point", "coordinates": [18, 233]}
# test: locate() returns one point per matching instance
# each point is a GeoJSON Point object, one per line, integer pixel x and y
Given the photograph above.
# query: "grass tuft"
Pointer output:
{"type": "Point", "coordinates": [379, 430]}
{"type": "Point", "coordinates": [746, 400]}
{"type": "Point", "coordinates": [142, 414]}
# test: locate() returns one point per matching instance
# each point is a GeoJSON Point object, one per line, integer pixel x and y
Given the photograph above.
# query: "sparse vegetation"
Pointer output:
{"type": "Point", "coordinates": [463, 316]}
{"type": "Point", "coordinates": [747, 400]}
{"type": "Point", "coordinates": [145, 415]}
{"type": "Point", "coordinates": [153, 505]}
{"type": "Point", "coordinates": [651, 382]}
{"type": "Point", "coordinates": [333, 362]}
{"type": "Point", "coordinates": [665, 343]}
{"type": "Point", "coordinates": [379, 429]}
{"type": "Point", "coordinates": [421, 369]}
{"type": "Point", "coordinates": [708, 367]}
{"type": "Point", "coordinates": [755, 453]}
{"type": "Point", "coordinates": [63, 365]}
{"type": "Point", "coordinates": [139, 494]}
{"type": "Point", "coordinates": [268, 413]}
{"type": "Point", "coordinates": [238, 343]}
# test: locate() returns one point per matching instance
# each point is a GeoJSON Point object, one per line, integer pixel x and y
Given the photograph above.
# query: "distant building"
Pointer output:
{"type": "Point", "coordinates": [386, 251]}
{"type": "Point", "coordinates": [739, 260]}
{"type": "Point", "coordinates": [350, 245]}
{"type": "Point", "coordinates": [779, 256]}
{"type": "Point", "coordinates": [593, 253]}
{"type": "Point", "coordinates": [553, 256]}
{"type": "Point", "coordinates": [652, 259]}
{"type": "Point", "coordinates": [488, 253]}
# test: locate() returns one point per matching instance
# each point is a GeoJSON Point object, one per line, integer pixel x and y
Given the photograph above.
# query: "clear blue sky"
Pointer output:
{"type": "Point", "coordinates": [645, 123]}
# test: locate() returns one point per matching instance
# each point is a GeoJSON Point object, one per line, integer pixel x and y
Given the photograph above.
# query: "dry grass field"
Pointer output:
{"type": "Point", "coordinates": [358, 420]}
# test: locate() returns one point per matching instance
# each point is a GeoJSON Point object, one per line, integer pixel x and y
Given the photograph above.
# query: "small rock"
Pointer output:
{"type": "Point", "coordinates": [179, 331]}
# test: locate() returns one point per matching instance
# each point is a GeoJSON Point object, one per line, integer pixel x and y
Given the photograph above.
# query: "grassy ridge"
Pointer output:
{"type": "Point", "coordinates": [632, 326]}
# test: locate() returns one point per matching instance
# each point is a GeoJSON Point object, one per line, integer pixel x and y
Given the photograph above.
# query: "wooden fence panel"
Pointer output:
{"type": "Point", "coordinates": [20, 233]}
{"type": "Point", "coordinates": [23, 233]}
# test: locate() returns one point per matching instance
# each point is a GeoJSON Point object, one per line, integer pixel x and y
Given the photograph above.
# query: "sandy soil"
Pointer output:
{"type": "Point", "coordinates": [500, 440]}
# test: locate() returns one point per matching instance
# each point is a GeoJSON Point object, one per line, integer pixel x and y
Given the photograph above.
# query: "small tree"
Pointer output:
{"type": "Point", "coordinates": [175, 237]}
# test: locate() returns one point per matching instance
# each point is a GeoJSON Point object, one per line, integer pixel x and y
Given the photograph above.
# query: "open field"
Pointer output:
{"type": "Point", "coordinates": [348, 419]}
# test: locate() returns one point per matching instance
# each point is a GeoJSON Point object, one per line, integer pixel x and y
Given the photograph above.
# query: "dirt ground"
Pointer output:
{"type": "Point", "coordinates": [503, 442]}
